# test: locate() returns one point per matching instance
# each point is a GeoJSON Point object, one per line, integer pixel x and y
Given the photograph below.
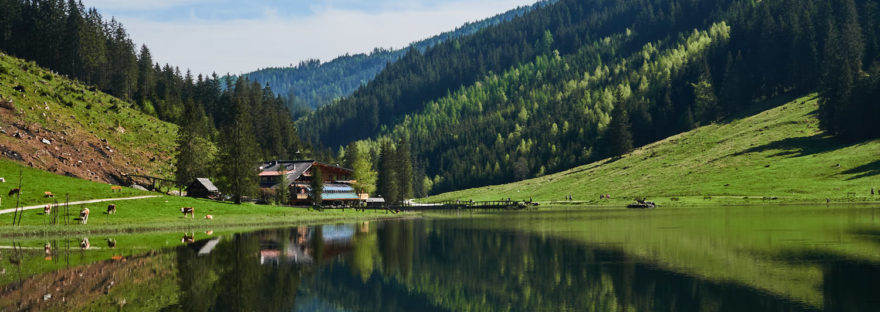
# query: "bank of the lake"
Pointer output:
{"type": "Point", "coordinates": [162, 214]}
{"type": "Point", "coordinates": [775, 154]}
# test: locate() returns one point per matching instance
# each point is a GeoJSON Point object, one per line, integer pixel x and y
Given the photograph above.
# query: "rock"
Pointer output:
{"type": "Point", "coordinates": [138, 187]}
{"type": "Point", "coordinates": [46, 141]}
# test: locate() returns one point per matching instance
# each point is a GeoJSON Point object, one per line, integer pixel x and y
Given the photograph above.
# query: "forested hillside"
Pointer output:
{"type": "Point", "coordinates": [311, 84]}
{"type": "Point", "coordinates": [234, 124]}
{"type": "Point", "coordinates": [581, 80]}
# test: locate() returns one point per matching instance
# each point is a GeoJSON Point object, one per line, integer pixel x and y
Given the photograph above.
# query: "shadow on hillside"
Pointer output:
{"type": "Point", "coordinates": [866, 170]}
{"type": "Point", "coordinates": [756, 108]}
{"type": "Point", "coordinates": [797, 147]}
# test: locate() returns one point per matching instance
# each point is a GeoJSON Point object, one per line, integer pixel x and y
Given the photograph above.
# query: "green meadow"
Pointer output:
{"type": "Point", "coordinates": [777, 153]}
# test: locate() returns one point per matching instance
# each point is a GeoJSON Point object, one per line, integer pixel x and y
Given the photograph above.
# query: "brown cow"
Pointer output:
{"type": "Point", "coordinates": [47, 210]}
{"type": "Point", "coordinates": [114, 188]}
{"type": "Point", "coordinates": [48, 194]}
{"type": "Point", "coordinates": [84, 244]}
{"type": "Point", "coordinates": [188, 211]}
{"type": "Point", "coordinates": [111, 208]}
{"type": "Point", "coordinates": [14, 191]}
{"type": "Point", "coordinates": [209, 217]}
{"type": "Point", "coordinates": [84, 215]}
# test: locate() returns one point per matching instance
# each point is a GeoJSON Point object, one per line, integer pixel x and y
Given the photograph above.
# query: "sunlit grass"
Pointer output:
{"type": "Point", "coordinates": [775, 155]}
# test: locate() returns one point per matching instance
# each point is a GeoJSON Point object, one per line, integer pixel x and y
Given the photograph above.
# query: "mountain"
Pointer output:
{"type": "Point", "coordinates": [578, 81]}
{"type": "Point", "coordinates": [312, 84]}
{"type": "Point", "coordinates": [50, 122]}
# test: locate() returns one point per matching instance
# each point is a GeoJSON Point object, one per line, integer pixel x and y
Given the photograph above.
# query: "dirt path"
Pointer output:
{"type": "Point", "coordinates": [91, 201]}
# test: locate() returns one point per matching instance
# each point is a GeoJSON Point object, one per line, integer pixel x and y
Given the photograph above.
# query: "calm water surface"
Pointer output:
{"type": "Point", "coordinates": [693, 259]}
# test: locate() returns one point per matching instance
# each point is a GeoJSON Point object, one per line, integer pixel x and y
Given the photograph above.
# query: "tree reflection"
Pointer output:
{"type": "Point", "coordinates": [427, 266]}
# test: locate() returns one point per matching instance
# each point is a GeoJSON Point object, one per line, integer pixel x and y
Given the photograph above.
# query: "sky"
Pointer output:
{"type": "Point", "coordinates": [229, 36]}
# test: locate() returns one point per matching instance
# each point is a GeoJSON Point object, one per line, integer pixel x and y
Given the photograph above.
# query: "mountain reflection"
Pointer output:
{"type": "Point", "coordinates": [426, 266]}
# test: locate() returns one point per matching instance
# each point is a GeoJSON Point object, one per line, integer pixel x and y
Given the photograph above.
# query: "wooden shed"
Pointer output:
{"type": "Point", "coordinates": [202, 188]}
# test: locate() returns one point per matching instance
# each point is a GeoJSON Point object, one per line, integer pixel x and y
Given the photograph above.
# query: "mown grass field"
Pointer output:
{"type": "Point", "coordinates": [773, 155]}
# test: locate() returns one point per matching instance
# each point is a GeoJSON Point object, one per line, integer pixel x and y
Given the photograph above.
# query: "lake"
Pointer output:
{"type": "Point", "coordinates": [770, 258]}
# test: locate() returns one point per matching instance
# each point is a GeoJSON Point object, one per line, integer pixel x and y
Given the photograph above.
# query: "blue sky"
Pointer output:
{"type": "Point", "coordinates": [227, 36]}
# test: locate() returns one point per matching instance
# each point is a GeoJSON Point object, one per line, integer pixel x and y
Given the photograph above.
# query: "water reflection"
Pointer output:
{"type": "Point", "coordinates": [544, 261]}
{"type": "Point", "coordinates": [425, 266]}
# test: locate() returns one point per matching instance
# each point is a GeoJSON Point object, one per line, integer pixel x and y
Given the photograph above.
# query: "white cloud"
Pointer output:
{"type": "Point", "coordinates": [140, 4]}
{"type": "Point", "coordinates": [243, 45]}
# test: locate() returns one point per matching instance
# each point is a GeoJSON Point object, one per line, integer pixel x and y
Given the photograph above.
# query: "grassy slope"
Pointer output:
{"type": "Point", "coordinates": [82, 125]}
{"type": "Point", "coordinates": [35, 182]}
{"type": "Point", "coordinates": [779, 152]}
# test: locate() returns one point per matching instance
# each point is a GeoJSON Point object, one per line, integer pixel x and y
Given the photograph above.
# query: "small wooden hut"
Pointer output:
{"type": "Point", "coordinates": [202, 188]}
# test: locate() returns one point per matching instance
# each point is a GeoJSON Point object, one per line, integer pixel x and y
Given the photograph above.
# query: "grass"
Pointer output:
{"type": "Point", "coordinates": [73, 116]}
{"type": "Point", "coordinates": [35, 182]}
{"type": "Point", "coordinates": [776, 155]}
{"type": "Point", "coordinates": [163, 214]}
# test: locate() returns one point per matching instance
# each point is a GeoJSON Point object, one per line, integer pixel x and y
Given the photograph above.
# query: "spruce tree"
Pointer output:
{"type": "Point", "coordinates": [239, 159]}
{"type": "Point", "coordinates": [404, 171]}
{"type": "Point", "coordinates": [387, 182]}
{"type": "Point", "coordinates": [618, 135]}
{"type": "Point", "coordinates": [317, 186]}
{"type": "Point", "coordinates": [195, 151]}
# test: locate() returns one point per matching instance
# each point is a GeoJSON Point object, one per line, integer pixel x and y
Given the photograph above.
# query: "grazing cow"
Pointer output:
{"type": "Point", "coordinates": [209, 232]}
{"type": "Point", "coordinates": [48, 194]}
{"type": "Point", "coordinates": [188, 238]}
{"type": "Point", "coordinates": [84, 215]}
{"type": "Point", "coordinates": [188, 211]}
{"type": "Point", "coordinates": [114, 188]}
{"type": "Point", "coordinates": [111, 243]}
{"type": "Point", "coordinates": [47, 210]}
{"type": "Point", "coordinates": [14, 191]}
{"type": "Point", "coordinates": [84, 244]}
{"type": "Point", "coordinates": [111, 208]}
{"type": "Point", "coordinates": [209, 217]}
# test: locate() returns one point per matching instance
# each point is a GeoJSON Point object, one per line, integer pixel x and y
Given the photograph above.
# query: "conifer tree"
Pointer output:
{"type": "Point", "coordinates": [404, 171]}
{"type": "Point", "coordinates": [618, 135]}
{"type": "Point", "coordinates": [239, 152]}
{"type": "Point", "coordinates": [195, 151]}
{"type": "Point", "coordinates": [317, 186]}
{"type": "Point", "coordinates": [387, 182]}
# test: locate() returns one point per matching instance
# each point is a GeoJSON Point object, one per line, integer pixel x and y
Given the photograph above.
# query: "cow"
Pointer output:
{"type": "Point", "coordinates": [84, 244]}
{"type": "Point", "coordinates": [48, 194]}
{"type": "Point", "coordinates": [47, 210]}
{"type": "Point", "coordinates": [111, 243]}
{"type": "Point", "coordinates": [84, 215]}
{"type": "Point", "coordinates": [114, 188]}
{"type": "Point", "coordinates": [188, 211]}
{"type": "Point", "coordinates": [14, 191]}
{"type": "Point", "coordinates": [111, 208]}
{"type": "Point", "coordinates": [188, 238]}
{"type": "Point", "coordinates": [209, 217]}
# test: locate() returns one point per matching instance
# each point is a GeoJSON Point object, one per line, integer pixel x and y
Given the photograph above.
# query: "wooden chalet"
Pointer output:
{"type": "Point", "coordinates": [202, 188]}
{"type": "Point", "coordinates": [338, 181]}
